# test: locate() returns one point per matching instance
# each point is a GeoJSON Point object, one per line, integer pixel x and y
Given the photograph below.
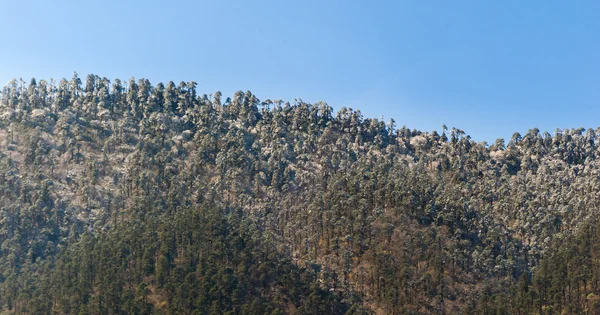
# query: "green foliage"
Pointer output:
{"type": "Point", "coordinates": [123, 197]}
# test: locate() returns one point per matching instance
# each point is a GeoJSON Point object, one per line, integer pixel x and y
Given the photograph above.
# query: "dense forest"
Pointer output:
{"type": "Point", "coordinates": [132, 198]}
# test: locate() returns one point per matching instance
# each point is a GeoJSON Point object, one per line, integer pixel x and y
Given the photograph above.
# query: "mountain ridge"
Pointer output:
{"type": "Point", "coordinates": [365, 216]}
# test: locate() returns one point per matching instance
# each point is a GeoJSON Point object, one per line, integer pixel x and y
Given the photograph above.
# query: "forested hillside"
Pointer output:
{"type": "Point", "coordinates": [132, 198]}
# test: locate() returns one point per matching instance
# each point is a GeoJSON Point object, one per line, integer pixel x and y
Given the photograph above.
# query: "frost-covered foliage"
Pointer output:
{"type": "Point", "coordinates": [321, 212]}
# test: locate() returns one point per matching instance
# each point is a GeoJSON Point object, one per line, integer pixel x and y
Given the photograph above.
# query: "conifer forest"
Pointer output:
{"type": "Point", "coordinates": [132, 197]}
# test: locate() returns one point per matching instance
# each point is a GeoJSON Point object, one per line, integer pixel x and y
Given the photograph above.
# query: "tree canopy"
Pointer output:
{"type": "Point", "coordinates": [127, 198]}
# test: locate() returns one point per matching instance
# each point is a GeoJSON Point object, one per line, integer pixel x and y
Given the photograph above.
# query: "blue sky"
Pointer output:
{"type": "Point", "coordinates": [488, 67]}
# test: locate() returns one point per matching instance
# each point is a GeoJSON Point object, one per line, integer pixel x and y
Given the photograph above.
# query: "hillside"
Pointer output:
{"type": "Point", "coordinates": [125, 197]}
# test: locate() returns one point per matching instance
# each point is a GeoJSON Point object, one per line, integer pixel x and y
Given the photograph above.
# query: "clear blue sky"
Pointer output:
{"type": "Point", "coordinates": [488, 67]}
